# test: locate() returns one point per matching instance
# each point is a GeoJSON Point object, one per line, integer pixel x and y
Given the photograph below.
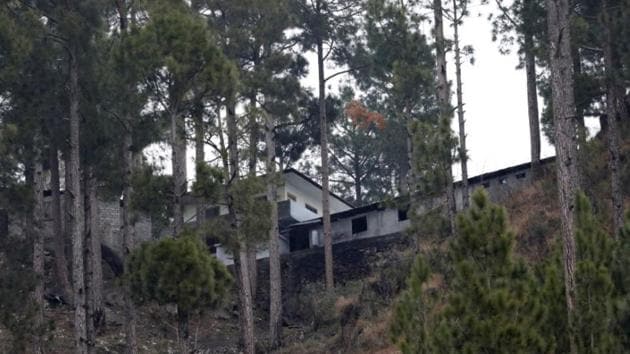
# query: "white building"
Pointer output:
{"type": "Point", "coordinates": [300, 210]}
{"type": "Point", "coordinates": [299, 199]}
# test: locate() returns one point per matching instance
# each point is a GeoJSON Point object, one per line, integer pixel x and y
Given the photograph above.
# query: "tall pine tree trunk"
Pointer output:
{"type": "Point", "coordinates": [564, 113]}
{"type": "Point", "coordinates": [127, 228]}
{"type": "Point", "coordinates": [126, 213]}
{"type": "Point", "coordinates": [200, 155]}
{"type": "Point", "coordinates": [579, 110]}
{"type": "Point", "coordinates": [323, 126]}
{"type": "Point", "coordinates": [275, 278]}
{"type": "Point", "coordinates": [59, 240]}
{"type": "Point", "coordinates": [77, 219]}
{"type": "Point", "coordinates": [406, 177]}
{"type": "Point", "coordinates": [241, 260]}
{"type": "Point", "coordinates": [532, 105]}
{"type": "Point", "coordinates": [89, 189]}
{"type": "Point", "coordinates": [443, 96]}
{"type": "Point", "coordinates": [251, 163]}
{"type": "Point", "coordinates": [37, 233]}
{"type": "Point", "coordinates": [94, 271]}
{"type": "Point", "coordinates": [183, 332]}
{"type": "Point", "coordinates": [611, 62]}
{"type": "Point", "coordinates": [358, 200]}
{"type": "Point", "coordinates": [463, 156]}
{"type": "Point", "coordinates": [178, 160]}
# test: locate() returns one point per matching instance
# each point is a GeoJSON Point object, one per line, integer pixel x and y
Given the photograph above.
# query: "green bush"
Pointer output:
{"type": "Point", "coordinates": [178, 271]}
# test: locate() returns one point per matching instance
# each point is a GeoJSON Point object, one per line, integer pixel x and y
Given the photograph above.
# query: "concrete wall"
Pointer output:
{"type": "Point", "coordinates": [498, 187]}
{"type": "Point", "coordinates": [379, 223]}
{"type": "Point", "coordinates": [353, 261]}
{"type": "Point", "coordinates": [227, 258]}
{"type": "Point", "coordinates": [109, 225]}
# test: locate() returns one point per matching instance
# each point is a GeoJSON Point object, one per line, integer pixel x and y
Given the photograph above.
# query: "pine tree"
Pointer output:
{"type": "Point", "coordinates": [357, 154]}
{"type": "Point", "coordinates": [329, 26]}
{"type": "Point", "coordinates": [178, 271]}
{"type": "Point", "coordinates": [614, 104]}
{"type": "Point", "coordinates": [564, 113]}
{"type": "Point", "coordinates": [443, 94]}
{"type": "Point", "coordinates": [459, 11]}
{"type": "Point", "coordinates": [411, 328]}
{"type": "Point", "coordinates": [181, 54]}
{"type": "Point", "coordinates": [398, 80]}
{"type": "Point", "coordinates": [594, 322]}
{"type": "Point", "coordinates": [523, 22]}
{"type": "Point", "coordinates": [491, 302]}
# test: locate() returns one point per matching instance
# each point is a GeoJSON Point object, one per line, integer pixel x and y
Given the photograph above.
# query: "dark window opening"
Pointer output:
{"type": "Point", "coordinates": [359, 225]}
{"type": "Point", "coordinates": [212, 212]}
{"type": "Point", "coordinates": [292, 197]}
{"type": "Point", "coordinates": [298, 239]}
{"type": "Point", "coordinates": [520, 175]}
{"type": "Point", "coordinates": [486, 185]}
{"type": "Point", "coordinates": [402, 215]}
{"type": "Point", "coordinates": [311, 208]}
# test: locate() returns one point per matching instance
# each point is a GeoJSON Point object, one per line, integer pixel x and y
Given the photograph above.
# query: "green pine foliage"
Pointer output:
{"type": "Point", "coordinates": [249, 203]}
{"type": "Point", "coordinates": [621, 279]}
{"type": "Point", "coordinates": [595, 289]}
{"type": "Point", "coordinates": [17, 307]}
{"type": "Point", "coordinates": [550, 286]}
{"type": "Point", "coordinates": [178, 271]}
{"type": "Point", "coordinates": [492, 306]}
{"type": "Point", "coordinates": [410, 329]}
{"type": "Point", "coordinates": [208, 182]}
{"type": "Point", "coordinates": [433, 146]}
{"type": "Point", "coordinates": [152, 193]}
{"type": "Point", "coordinates": [491, 303]}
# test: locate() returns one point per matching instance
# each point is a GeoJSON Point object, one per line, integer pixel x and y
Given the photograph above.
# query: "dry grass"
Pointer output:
{"type": "Point", "coordinates": [534, 218]}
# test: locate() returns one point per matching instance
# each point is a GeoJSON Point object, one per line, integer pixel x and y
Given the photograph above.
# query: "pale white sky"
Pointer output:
{"type": "Point", "coordinates": [495, 99]}
{"type": "Point", "coordinates": [495, 102]}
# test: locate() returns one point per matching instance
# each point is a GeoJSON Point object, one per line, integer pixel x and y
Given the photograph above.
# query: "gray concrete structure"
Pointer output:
{"type": "Point", "coordinates": [299, 199]}
{"type": "Point", "coordinates": [378, 219]}
{"type": "Point", "coordinates": [109, 224]}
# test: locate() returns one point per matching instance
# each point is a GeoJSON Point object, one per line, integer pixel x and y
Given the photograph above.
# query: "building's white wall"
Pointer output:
{"type": "Point", "coordinates": [300, 213]}
{"type": "Point", "coordinates": [227, 258]}
{"type": "Point", "coordinates": [190, 213]}
{"type": "Point", "coordinates": [379, 223]}
{"type": "Point", "coordinates": [306, 192]}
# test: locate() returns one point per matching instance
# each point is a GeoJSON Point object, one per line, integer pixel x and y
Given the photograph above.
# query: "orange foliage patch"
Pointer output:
{"type": "Point", "coordinates": [363, 117]}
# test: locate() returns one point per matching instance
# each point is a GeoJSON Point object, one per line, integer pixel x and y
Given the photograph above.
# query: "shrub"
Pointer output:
{"type": "Point", "coordinates": [491, 304]}
{"type": "Point", "coordinates": [178, 271]}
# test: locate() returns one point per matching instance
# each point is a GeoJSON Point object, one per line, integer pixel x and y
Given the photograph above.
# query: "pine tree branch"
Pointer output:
{"type": "Point", "coordinates": [344, 72]}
